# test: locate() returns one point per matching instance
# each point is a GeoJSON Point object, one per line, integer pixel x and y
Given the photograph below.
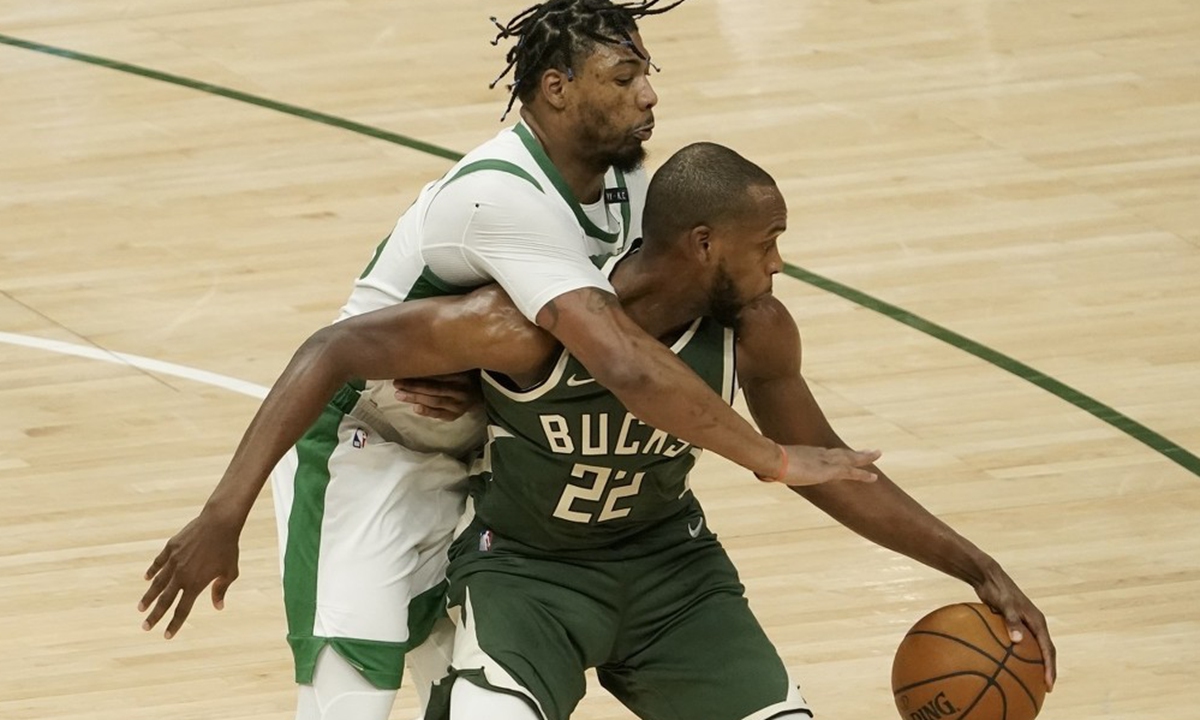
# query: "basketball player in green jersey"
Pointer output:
{"type": "Point", "coordinates": [368, 500]}
{"type": "Point", "coordinates": [584, 546]}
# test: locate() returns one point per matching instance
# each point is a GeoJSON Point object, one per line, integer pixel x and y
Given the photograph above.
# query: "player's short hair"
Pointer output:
{"type": "Point", "coordinates": [559, 33]}
{"type": "Point", "coordinates": [702, 184]}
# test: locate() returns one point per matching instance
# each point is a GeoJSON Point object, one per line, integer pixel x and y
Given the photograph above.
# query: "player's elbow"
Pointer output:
{"type": "Point", "coordinates": [322, 353]}
{"type": "Point", "coordinates": [492, 321]}
{"type": "Point", "coordinates": [317, 344]}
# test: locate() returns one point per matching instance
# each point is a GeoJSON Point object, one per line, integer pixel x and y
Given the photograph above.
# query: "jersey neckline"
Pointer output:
{"type": "Point", "coordinates": [560, 184]}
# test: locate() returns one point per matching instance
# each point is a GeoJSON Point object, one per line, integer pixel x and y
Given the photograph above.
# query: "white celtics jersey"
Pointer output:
{"type": "Point", "coordinates": [502, 214]}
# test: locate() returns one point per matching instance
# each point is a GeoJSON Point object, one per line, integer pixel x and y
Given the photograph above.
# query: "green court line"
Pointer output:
{"type": "Point", "coordinates": [1120, 421]}
{"type": "Point", "coordinates": [1124, 423]}
{"type": "Point", "coordinates": [235, 95]}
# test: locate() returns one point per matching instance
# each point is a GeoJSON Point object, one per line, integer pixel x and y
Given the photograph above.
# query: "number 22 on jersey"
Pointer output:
{"type": "Point", "coordinates": [595, 492]}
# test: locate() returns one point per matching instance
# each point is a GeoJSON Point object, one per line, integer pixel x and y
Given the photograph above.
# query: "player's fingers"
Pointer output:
{"type": "Point", "coordinates": [862, 458]}
{"type": "Point", "coordinates": [433, 402]}
{"type": "Point", "coordinates": [437, 413]}
{"type": "Point", "coordinates": [165, 601]}
{"type": "Point", "coordinates": [833, 473]}
{"type": "Point", "coordinates": [1015, 631]}
{"type": "Point", "coordinates": [1036, 622]}
{"type": "Point", "coordinates": [182, 610]}
{"type": "Point", "coordinates": [1050, 656]}
{"type": "Point", "coordinates": [156, 587]}
{"type": "Point", "coordinates": [854, 464]}
{"type": "Point", "coordinates": [445, 415]}
{"type": "Point", "coordinates": [159, 561]}
{"type": "Point", "coordinates": [219, 588]}
{"type": "Point", "coordinates": [805, 465]}
{"type": "Point", "coordinates": [457, 382]}
{"type": "Point", "coordinates": [434, 389]}
{"type": "Point", "coordinates": [860, 475]}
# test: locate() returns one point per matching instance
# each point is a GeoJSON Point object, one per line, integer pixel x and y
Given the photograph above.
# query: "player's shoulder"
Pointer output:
{"type": "Point", "coordinates": [766, 317]}
{"type": "Point", "coordinates": [501, 164]}
{"type": "Point", "coordinates": [504, 144]}
{"type": "Point", "coordinates": [498, 165]}
{"type": "Point", "coordinates": [768, 339]}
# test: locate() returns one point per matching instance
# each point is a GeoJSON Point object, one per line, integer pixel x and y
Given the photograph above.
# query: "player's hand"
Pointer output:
{"type": "Point", "coordinates": [204, 551]}
{"type": "Point", "coordinates": [1001, 594]}
{"type": "Point", "coordinates": [444, 397]}
{"type": "Point", "coordinates": [805, 465]}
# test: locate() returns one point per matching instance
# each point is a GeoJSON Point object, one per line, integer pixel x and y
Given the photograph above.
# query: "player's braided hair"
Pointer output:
{"type": "Point", "coordinates": [553, 34]}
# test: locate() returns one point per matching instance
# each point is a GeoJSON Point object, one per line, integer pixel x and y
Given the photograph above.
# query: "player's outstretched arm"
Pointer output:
{"type": "Point", "coordinates": [783, 406]}
{"type": "Point", "coordinates": [416, 339]}
{"type": "Point", "coordinates": [660, 390]}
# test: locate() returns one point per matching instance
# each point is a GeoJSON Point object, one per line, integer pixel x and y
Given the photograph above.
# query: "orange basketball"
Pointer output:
{"type": "Point", "coordinates": [958, 663]}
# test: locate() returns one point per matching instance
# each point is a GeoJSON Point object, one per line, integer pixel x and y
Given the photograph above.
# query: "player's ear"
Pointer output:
{"type": "Point", "coordinates": [554, 88]}
{"type": "Point", "coordinates": [700, 242]}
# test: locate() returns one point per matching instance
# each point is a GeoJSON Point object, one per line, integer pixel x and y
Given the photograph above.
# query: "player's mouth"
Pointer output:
{"type": "Point", "coordinates": [644, 132]}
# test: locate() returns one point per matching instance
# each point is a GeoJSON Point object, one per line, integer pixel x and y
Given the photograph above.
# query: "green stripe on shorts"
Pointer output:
{"type": "Point", "coordinates": [380, 662]}
{"type": "Point", "coordinates": [304, 538]}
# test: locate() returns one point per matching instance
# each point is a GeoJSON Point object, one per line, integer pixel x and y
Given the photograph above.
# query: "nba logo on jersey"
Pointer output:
{"type": "Point", "coordinates": [360, 438]}
{"type": "Point", "coordinates": [485, 541]}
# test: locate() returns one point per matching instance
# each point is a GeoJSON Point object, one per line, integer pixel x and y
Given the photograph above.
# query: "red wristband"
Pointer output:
{"type": "Point", "coordinates": [783, 467]}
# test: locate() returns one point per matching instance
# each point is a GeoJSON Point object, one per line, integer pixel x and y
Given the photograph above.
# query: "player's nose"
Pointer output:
{"type": "Point", "coordinates": [647, 98]}
{"type": "Point", "coordinates": [775, 262]}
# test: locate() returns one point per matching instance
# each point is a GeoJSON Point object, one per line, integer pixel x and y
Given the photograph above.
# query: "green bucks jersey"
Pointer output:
{"type": "Point", "coordinates": [568, 468]}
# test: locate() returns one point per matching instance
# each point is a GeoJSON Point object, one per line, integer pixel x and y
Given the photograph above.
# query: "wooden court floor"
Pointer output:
{"type": "Point", "coordinates": [1024, 176]}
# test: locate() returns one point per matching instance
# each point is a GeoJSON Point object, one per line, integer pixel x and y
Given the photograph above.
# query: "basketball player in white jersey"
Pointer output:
{"type": "Point", "coordinates": [367, 502]}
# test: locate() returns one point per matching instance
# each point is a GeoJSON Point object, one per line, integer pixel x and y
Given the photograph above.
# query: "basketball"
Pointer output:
{"type": "Point", "coordinates": [959, 662]}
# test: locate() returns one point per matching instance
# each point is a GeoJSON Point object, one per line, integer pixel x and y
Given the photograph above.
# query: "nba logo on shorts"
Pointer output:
{"type": "Point", "coordinates": [485, 541]}
{"type": "Point", "coordinates": [360, 438]}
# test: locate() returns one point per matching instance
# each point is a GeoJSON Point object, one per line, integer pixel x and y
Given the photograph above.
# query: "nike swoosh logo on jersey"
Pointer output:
{"type": "Point", "coordinates": [695, 531]}
{"type": "Point", "coordinates": [576, 382]}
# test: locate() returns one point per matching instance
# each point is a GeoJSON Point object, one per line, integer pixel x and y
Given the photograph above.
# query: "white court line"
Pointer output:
{"type": "Point", "coordinates": [144, 363]}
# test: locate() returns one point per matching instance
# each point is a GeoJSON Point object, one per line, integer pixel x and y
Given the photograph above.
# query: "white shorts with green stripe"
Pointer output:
{"type": "Point", "coordinates": [364, 524]}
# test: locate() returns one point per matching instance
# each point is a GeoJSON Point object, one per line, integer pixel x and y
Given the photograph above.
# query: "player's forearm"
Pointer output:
{"type": "Point", "coordinates": [294, 403]}
{"type": "Point", "coordinates": [661, 391]}
{"type": "Point", "coordinates": [887, 516]}
{"type": "Point", "coordinates": [654, 384]}
{"type": "Point", "coordinates": [881, 512]}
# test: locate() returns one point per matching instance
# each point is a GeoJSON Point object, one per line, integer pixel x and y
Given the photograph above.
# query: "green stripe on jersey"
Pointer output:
{"type": "Point", "coordinates": [430, 285]}
{"type": "Point", "coordinates": [539, 155]}
{"type": "Point", "coordinates": [497, 165]}
{"type": "Point", "coordinates": [375, 258]}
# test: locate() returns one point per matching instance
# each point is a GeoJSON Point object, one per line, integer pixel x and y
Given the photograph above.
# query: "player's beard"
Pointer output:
{"type": "Point", "coordinates": [725, 305]}
{"type": "Point", "coordinates": [628, 157]}
{"type": "Point", "coordinates": [615, 149]}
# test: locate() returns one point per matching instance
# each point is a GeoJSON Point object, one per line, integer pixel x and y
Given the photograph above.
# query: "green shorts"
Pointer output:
{"type": "Point", "coordinates": [666, 626]}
